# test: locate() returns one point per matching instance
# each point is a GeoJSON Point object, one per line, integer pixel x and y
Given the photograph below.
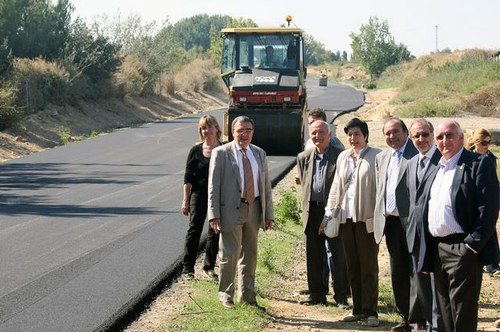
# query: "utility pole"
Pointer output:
{"type": "Point", "coordinates": [437, 49]}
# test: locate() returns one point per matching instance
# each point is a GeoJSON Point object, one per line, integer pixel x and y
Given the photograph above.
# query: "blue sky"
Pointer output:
{"type": "Point", "coordinates": [460, 23]}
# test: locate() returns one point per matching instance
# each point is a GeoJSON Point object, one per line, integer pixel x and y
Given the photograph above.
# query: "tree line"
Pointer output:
{"type": "Point", "coordinates": [49, 56]}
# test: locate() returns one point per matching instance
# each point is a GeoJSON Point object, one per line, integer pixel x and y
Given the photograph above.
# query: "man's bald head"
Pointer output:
{"type": "Point", "coordinates": [319, 133]}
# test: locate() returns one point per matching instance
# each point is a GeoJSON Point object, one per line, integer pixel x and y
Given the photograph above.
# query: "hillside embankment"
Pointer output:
{"type": "Point", "coordinates": [58, 125]}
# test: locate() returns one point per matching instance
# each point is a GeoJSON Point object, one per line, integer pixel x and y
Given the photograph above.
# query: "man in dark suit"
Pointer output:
{"type": "Point", "coordinates": [316, 169]}
{"type": "Point", "coordinates": [239, 202]}
{"type": "Point", "coordinates": [391, 213]}
{"type": "Point", "coordinates": [460, 220]}
{"type": "Point", "coordinates": [422, 292]}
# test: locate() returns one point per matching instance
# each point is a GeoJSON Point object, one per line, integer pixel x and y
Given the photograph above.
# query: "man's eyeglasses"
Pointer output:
{"type": "Point", "coordinates": [246, 131]}
{"type": "Point", "coordinates": [485, 143]}
{"type": "Point", "coordinates": [423, 135]}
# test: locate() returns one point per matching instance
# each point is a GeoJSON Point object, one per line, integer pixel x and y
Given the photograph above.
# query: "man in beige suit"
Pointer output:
{"type": "Point", "coordinates": [239, 203]}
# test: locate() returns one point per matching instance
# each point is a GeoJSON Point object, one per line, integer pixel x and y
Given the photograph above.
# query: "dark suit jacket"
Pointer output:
{"type": "Point", "coordinates": [416, 192]}
{"type": "Point", "coordinates": [305, 165]}
{"type": "Point", "coordinates": [475, 203]}
{"type": "Point", "coordinates": [402, 201]}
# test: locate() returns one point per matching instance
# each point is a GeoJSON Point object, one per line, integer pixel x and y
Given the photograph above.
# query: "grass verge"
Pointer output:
{"type": "Point", "coordinates": [278, 251]}
{"type": "Point", "coordinates": [280, 274]}
{"type": "Point", "coordinates": [204, 312]}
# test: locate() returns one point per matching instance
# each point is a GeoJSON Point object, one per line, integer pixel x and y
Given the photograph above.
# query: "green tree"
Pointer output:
{"type": "Point", "coordinates": [215, 50]}
{"type": "Point", "coordinates": [374, 47]}
{"type": "Point", "coordinates": [5, 56]}
{"type": "Point", "coordinates": [130, 32]}
{"type": "Point", "coordinates": [344, 56]}
{"type": "Point", "coordinates": [90, 53]}
{"type": "Point", "coordinates": [35, 28]}
{"type": "Point", "coordinates": [195, 31]}
{"type": "Point", "coordinates": [315, 52]}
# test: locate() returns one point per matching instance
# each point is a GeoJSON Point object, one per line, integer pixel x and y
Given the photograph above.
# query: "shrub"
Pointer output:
{"type": "Point", "coordinates": [485, 102]}
{"type": "Point", "coordinates": [197, 76]}
{"type": "Point", "coordinates": [42, 82]}
{"type": "Point", "coordinates": [287, 209]}
{"type": "Point", "coordinates": [370, 85]}
{"type": "Point", "coordinates": [130, 77]}
{"type": "Point", "coordinates": [9, 112]}
{"type": "Point", "coordinates": [168, 81]}
{"type": "Point", "coordinates": [431, 108]}
{"type": "Point", "coordinates": [267, 257]}
{"type": "Point", "coordinates": [65, 135]}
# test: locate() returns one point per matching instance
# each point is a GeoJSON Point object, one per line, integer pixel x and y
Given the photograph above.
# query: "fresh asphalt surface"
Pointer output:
{"type": "Point", "coordinates": [88, 229]}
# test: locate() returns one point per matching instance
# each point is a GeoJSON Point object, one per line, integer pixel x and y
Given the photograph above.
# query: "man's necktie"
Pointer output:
{"type": "Point", "coordinates": [249, 193]}
{"type": "Point", "coordinates": [421, 168]}
{"type": "Point", "coordinates": [392, 182]}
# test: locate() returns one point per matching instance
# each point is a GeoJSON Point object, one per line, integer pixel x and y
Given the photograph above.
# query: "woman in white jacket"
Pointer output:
{"type": "Point", "coordinates": [353, 190]}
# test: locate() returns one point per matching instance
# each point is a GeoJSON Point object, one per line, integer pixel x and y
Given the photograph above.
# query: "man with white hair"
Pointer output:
{"type": "Point", "coordinates": [316, 169]}
{"type": "Point", "coordinates": [460, 221]}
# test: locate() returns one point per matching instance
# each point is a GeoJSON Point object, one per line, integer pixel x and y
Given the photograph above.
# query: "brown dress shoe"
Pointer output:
{"type": "Point", "coordinates": [228, 304]}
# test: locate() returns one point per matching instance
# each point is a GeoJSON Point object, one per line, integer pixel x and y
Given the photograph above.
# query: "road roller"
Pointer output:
{"type": "Point", "coordinates": [264, 71]}
{"type": "Point", "coordinates": [323, 79]}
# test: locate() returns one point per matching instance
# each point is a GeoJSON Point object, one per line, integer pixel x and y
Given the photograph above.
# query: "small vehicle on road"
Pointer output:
{"type": "Point", "coordinates": [323, 79]}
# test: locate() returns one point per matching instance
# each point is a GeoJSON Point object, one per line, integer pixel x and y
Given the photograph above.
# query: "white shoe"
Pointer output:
{"type": "Point", "coordinates": [210, 274]}
{"type": "Point", "coordinates": [372, 321]}
{"type": "Point", "coordinates": [353, 318]}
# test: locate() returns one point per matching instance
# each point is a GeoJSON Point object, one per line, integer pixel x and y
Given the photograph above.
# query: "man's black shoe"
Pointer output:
{"type": "Point", "coordinates": [313, 302]}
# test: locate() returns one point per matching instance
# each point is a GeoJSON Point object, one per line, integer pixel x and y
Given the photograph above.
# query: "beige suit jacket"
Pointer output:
{"type": "Point", "coordinates": [224, 186]}
{"type": "Point", "coordinates": [364, 184]}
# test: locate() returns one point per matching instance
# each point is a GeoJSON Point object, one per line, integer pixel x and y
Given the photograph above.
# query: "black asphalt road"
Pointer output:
{"type": "Point", "coordinates": [334, 97]}
{"type": "Point", "coordinates": [86, 230]}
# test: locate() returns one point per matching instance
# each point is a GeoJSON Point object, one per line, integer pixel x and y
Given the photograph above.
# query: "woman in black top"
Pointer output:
{"type": "Point", "coordinates": [195, 198]}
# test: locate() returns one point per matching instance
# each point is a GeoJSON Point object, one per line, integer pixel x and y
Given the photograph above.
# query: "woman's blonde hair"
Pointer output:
{"type": "Point", "coordinates": [477, 136]}
{"type": "Point", "coordinates": [208, 120]}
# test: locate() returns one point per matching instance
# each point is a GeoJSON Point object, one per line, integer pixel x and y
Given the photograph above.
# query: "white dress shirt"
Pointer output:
{"type": "Point", "coordinates": [351, 188]}
{"type": "Point", "coordinates": [391, 182]}
{"type": "Point", "coordinates": [442, 221]}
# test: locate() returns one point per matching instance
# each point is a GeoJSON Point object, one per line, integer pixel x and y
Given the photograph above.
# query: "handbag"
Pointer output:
{"type": "Point", "coordinates": [337, 217]}
{"type": "Point", "coordinates": [333, 222]}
